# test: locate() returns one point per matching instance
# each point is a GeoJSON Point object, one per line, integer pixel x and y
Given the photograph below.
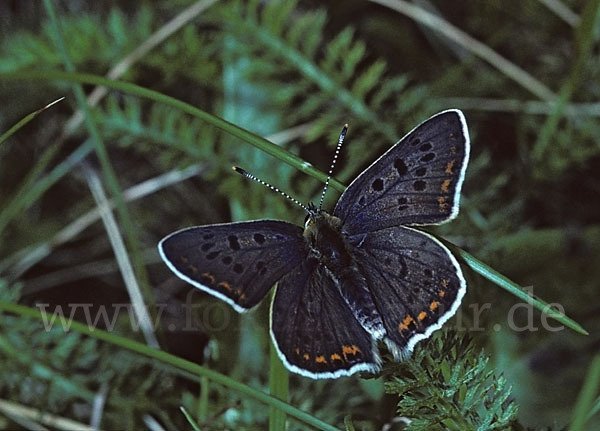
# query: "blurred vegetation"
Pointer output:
{"type": "Point", "coordinates": [294, 72]}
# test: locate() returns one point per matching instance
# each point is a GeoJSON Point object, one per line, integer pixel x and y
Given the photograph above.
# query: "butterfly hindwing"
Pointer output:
{"type": "Point", "coordinates": [315, 332]}
{"type": "Point", "coordinates": [236, 262]}
{"type": "Point", "coordinates": [415, 282]}
{"type": "Point", "coordinates": [416, 182]}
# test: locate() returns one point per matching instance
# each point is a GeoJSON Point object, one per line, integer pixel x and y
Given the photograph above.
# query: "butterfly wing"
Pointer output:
{"type": "Point", "coordinates": [415, 282]}
{"type": "Point", "coordinates": [236, 262]}
{"type": "Point", "coordinates": [415, 182]}
{"type": "Point", "coordinates": [313, 329]}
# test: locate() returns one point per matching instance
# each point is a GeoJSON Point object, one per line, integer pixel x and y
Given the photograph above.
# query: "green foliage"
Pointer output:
{"type": "Point", "coordinates": [321, 84]}
{"type": "Point", "coordinates": [131, 125]}
{"type": "Point", "coordinates": [101, 40]}
{"type": "Point", "coordinates": [51, 369]}
{"type": "Point", "coordinates": [449, 385]}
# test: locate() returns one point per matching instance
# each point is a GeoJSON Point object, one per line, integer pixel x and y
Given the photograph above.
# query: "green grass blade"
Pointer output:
{"type": "Point", "coordinates": [562, 11]}
{"type": "Point", "coordinates": [595, 408]}
{"type": "Point", "coordinates": [129, 88]}
{"type": "Point", "coordinates": [26, 120]}
{"type": "Point", "coordinates": [187, 367]}
{"type": "Point", "coordinates": [118, 246]}
{"type": "Point", "coordinates": [190, 419]}
{"type": "Point", "coordinates": [278, 387]}
{"type": "Point", "coordinates": [585, 400]}
{"type": "Point", "coordinates": [34, 419]}
{"type": "Point", "coordinates": [512, 287]}
{"type": "Point", "coordinates": [203, 399]}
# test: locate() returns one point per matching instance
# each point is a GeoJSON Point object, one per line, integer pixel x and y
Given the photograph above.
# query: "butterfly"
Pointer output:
{"type": "Point", "coordinates": [355, 277]}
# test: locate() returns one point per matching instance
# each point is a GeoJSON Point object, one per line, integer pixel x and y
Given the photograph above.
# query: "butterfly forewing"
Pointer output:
{"type": "Point", "coordinates": [415, 282]}
{"type": "Point", "coordinates": [313, 329]}
{"type": "Point", "coordinates": [236, 262]}
{"type": "Point", "coordinates": [416, 182]}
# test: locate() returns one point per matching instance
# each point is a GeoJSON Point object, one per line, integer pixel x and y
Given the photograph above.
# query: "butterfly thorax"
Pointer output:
{"type": "Point", "coordinates": [325, 241]}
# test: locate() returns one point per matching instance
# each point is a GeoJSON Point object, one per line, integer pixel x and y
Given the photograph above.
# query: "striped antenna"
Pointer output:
{"type": "Point", "coordinates": [275, 189]}
{"type": "Point", "coordinates": [335, 156]}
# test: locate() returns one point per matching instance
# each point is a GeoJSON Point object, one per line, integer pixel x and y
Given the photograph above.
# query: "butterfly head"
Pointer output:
{"type": "Point", "coordinates": [318, 220]}
{"type": "Point", "coordinates": [323, 237]}
{"type": "Point", "coordinates": [316, 217]}
{"type": "Point", "coordinates": [312, 213]}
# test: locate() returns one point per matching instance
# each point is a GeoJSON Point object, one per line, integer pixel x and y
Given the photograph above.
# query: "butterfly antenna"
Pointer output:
{"type": "Point", "coordinates": [335, 157]}
{"type": "Point", "coordinates": [275, 189]}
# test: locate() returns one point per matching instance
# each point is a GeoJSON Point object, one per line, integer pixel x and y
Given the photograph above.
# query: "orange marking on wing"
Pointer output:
{"type": "Point", "coordinates": [320, 359]}
{"type": "Point", "coordinates": [444, 282]}
{"type": "Point", "coordinates": [434, 305]}
{"type": "Point", "coordinates": [441, 293]}
{"type": "Point", "coordinates": [239, 294]}
{"type": "Point", "coordinates": [442, 203]}
{"type": "Point", "coordinates": [449, 167]}
{"type": "Point", "coordinates": [297, 350]}
{"type": "Point", "coordinates": [445, 185]}
{"type": "Point", "coordinates": [422, 315]}
{"type": "Point", "coordinates": [335, 357]}
{"type": "Point", "coordinates": [224, 285]}
{"type": "Point", "coordinates": [306, 357]}
{"type": "Point", "coordinates": [350, 350]}
{"type": "Point", "coordinates": [208, 277]}
{"type": "Point", "coordinates": [404, 324]}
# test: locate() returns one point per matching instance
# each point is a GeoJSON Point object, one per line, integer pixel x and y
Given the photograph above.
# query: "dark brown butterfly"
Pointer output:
{"type": "Point", "coordinates": [353, 277]}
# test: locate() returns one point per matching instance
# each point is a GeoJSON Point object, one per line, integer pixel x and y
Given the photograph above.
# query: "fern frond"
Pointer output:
{"type": "Point", "coordinates": [100, 40]}
{"type": "Point", "coordinates": [129, 124]}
